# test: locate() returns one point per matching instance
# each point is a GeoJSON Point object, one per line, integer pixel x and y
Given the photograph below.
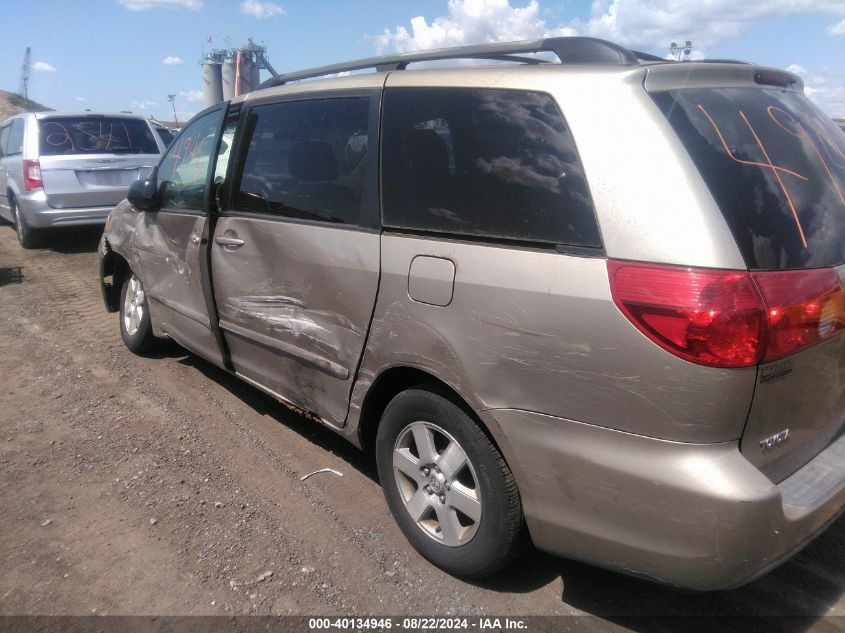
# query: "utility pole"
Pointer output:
{"type": "Point", "coordinates": [677, 51]}
{"type": "Point", "coordinates": [23, 87]}
{"type": "Point", "coordinates": [172, 98]}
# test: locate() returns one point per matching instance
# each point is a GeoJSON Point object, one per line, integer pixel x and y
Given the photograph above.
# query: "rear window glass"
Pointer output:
{"type": "Point", "coordinates": [775, 165]}
{"type": "Point", "coordinates": [490, 163]}
{"type": "Point", "coordinates": [95, 135]}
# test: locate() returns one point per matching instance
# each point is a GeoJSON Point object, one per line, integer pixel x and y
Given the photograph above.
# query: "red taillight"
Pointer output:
{"type": "Point", "coordinates": [804, 307]}
{"type": "Point", "coordinates": [32, 175]}
{"type": "Point", "coordinates": [726, 318]}
{"type": "Point", "coordinates": [705, 316]}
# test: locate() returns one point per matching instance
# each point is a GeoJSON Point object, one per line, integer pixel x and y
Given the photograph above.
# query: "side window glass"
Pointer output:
{"type": "Point", "coordinates": [224, 151]}
{"type": "Point", "coordinates": [440, 127]}
{"type": "Point", "coordinates": [183, 171]}
{"type": "Point", "coordinates": [308, 160]}
{"type": "Point", "coordinates": [483, 162]}
{"type": "Point", "coordinates": [14, 144]}
{"type": "Point", "coordinates": [4, 138]}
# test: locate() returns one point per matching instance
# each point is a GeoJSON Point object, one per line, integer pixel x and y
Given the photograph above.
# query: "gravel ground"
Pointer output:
{"type": "Point", "coordinates": [164, 486]}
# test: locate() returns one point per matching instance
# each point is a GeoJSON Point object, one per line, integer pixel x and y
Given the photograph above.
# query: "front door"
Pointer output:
{"type": "Point", "coordinates": [295, 258]}
{"type": "Point", "coordinates": [171, 241]}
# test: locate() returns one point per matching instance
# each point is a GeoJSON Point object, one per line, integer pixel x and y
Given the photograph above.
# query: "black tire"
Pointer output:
{"type": "Point", "coordinates": [499, 536]}
{"type": "Point", "coordinates": [140, 340]}
{"type": "Point", "coordinates": [27, 236]}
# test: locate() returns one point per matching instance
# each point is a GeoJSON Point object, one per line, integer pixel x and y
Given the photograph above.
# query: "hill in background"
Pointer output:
{"type": "Point", "coordinates": [11, 103]}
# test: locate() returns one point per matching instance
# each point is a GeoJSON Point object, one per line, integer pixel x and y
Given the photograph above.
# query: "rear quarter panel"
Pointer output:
{"type": "Point", "coordinates": [538, 331]}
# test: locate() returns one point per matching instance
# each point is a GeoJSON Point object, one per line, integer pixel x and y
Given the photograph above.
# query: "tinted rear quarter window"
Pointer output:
{"type": "Point", "coordinates": [486, 163]}
{"type": "Point", "coordinates": [775, 166]}
{"type": "Point", "coordinates": [95, 135]}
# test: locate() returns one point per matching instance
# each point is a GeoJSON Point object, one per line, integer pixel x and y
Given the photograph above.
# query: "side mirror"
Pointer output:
{"type": "Point", "coordinates": [143, 195]}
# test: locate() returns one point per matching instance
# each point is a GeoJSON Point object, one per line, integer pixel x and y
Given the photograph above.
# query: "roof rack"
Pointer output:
{"type": "Point", "coordinates": [648, 57]}
{"type": "Point", "coordinates": [569, 50]}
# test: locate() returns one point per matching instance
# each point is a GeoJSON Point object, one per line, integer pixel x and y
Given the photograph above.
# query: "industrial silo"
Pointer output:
{"type": "Point", "coordinates": [242, 74]}
{"type": "Point", "coordinates": [255, 78]}
{"type": "Point", "coordinates": [227, 76]}
{"type": "Point", "coordinates": [246, 73]}
{"type": "Point", "coordinates": [212, 88]}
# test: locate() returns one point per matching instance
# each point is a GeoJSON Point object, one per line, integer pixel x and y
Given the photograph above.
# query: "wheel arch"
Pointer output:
{"type": "Point", "coordinates": [394, 380]}
{"type": "Point", "coordinates": [11, 195]}
{"type": "Point", "coordinates": [11, 189]}
{"type": "Point", "coordinates": [114, 266]}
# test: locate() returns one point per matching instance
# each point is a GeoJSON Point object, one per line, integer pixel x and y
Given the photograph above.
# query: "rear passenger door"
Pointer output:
{"type": "Point", "coordinates": [295, 258]}
{"type": "Point", "coordinates": [490, 248]}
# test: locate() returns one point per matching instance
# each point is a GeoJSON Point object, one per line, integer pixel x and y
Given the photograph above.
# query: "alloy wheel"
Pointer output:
{"type": "Point", "coordinates": [437, 484]}
{"type": "Point", "coordinates": [133, 306]}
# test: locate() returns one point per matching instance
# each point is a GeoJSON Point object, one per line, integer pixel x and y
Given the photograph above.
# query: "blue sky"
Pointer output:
{"type": "Point", "coordinates": [110, 54]}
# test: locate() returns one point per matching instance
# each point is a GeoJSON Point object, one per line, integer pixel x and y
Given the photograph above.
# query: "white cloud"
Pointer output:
{"type": "Point", "coordinates": [635, 23]}
{"type": "Point", "coordinates": [145, 104]}
{"type": "Point", "coordinates": [830, 100]}
{"type": "Point", "coordinates": [43, 67]}
{"type": "Point", "coordinates": [658, 22]}
{"type": "Point", "coordinates": [261, 10]}
{"type": "Point", "coordinates": [470, 22]}
{"type": "Point", "coordinates": [824, 86]}
{"type": "Point", "coordinates": [80, 99]}
{"type": "Point", "coordinates": [639, 24]}
{"type": "Point", "coordinates": [172, 61]}
{"type": "Point", "coordinates": [146, 5]}
{"type": "Point", "coordinates": [826, 89]}
{"type": "Point", "coordinates": [191, 95]}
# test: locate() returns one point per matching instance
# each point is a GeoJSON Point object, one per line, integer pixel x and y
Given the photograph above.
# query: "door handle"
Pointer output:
{"type": "Point", "coordinates": [195, 239]}
{"type": "Point", "coordinates": [231, 242]}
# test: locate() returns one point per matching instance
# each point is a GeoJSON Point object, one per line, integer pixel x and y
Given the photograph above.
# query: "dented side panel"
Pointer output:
{"type": "Point", "coordinates": [538, 331]}
{"type": "Point", "coordinates": [171, 253]}
{"type": "Point", "coordinates": [295, 300]}
{"type": "Point", "coordinates": [160, 249]}
{"type": "Point", "coordinates": [121, 232]}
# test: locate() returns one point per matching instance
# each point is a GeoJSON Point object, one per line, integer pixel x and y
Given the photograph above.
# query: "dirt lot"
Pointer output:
{"type": "Point", "coordinates": [164, 486]}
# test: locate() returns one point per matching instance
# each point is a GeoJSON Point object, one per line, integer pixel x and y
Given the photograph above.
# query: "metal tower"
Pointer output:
{"type": "Point", "coordinates": [23, 87]}
{"type": "Point", "coordinates": [172, 98]}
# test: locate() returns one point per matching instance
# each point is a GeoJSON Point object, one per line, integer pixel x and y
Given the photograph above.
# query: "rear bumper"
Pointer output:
{"type": "Point", "coordinates": [694, 515]}
{"type": "Point", "coordinates": [38, 214]}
